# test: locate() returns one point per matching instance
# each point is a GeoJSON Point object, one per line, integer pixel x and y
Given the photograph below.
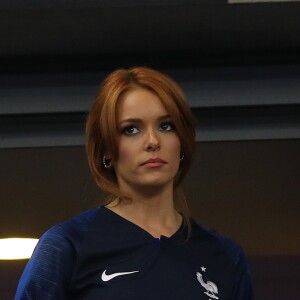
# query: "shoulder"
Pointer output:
{"type": "Point", "coordinates": [68, 234]}
{"type": "Point", "coordinates": [218, 241]}
{"type": "Point", "coordinates": [72, 228]}
{"type": "Point", "coordinates": [50, 268]}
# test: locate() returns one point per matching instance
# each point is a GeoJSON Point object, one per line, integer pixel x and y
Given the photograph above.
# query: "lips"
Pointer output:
{"type": "Point", "coordinates": [154, 162]}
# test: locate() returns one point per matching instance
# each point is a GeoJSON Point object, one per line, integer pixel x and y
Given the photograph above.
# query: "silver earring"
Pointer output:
{"type": "Point", "coordinates": [182, 156]}
{"type": "Point", "coordinates": [106, 162]}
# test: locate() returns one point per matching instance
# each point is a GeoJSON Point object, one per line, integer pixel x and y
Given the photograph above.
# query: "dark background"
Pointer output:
{"type": "Point", "coordinates": [239, 65]}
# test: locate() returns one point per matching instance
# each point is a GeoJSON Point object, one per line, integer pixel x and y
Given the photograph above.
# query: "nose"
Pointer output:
{"type": "Point", "coordinates": [152, 142]}
{"type": "Point", "coordinates": [153, 147]}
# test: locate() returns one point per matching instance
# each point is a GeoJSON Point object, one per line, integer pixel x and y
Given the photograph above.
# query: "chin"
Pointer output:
{"type": "Point", "coordinates": [156, 182]}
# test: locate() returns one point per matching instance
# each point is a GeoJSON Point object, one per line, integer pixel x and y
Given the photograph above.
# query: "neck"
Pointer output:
{"type": "Point", "coordinates": [154, 212]}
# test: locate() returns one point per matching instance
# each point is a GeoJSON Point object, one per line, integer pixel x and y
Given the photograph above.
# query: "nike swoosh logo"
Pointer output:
{"type": "Point", "coordinates": [106, 277]}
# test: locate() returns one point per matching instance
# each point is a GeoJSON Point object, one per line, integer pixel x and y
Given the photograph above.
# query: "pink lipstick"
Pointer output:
{"type": "Point", "coordinates": [154, 163]}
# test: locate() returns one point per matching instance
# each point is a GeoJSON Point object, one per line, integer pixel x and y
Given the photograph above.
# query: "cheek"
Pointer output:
{"type": "Point", "coordinates": [126, 152]}
{"type": "Point", "coordinates": [175, 144]}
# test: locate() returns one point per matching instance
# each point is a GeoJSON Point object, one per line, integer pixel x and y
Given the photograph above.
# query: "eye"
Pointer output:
{"type": "Point", "coordinates": [130, 130]}
{"type": "Point", "coordinates": [167, 126]}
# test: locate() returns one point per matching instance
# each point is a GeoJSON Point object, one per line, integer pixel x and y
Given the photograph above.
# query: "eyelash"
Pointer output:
{"type": "Point", "coordinates": [126, 130]}
{"type": "Point", "coordinates": [170, 124]}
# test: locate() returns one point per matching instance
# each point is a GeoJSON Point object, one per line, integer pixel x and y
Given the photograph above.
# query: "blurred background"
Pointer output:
{"type": "Point", "coordinates": [239, 65]}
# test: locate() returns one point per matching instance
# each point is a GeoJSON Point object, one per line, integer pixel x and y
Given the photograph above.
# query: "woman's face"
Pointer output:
{"type": "Point", "coordinates": [148, 145]}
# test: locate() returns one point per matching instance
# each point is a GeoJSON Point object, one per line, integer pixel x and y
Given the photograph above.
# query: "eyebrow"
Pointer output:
{"type": "Point", "coordinates": [138, 120]}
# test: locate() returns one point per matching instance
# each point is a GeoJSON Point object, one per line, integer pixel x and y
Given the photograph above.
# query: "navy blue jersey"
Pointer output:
{"type": "Point", "coordinates": [100, 255]}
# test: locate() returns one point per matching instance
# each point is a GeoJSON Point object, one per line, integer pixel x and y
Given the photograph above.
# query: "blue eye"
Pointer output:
{"type": "Point", "coordinates": [167, 126]}
{"type": "Point", "coordinates": [130, 130]}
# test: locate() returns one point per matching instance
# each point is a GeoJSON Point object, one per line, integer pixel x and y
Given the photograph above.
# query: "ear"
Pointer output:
{"type": "Point", "coordinates": [106, 161]}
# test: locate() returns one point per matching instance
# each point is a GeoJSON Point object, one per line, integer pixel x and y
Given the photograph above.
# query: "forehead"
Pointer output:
{"type": "Point", "coordinates": [140, 103]}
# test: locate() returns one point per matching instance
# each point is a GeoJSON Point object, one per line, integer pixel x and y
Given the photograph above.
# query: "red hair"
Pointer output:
{"type": "Point", "coordinates": [102, 129]}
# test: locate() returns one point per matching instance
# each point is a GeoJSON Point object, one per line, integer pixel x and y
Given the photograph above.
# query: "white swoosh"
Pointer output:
{"type": "Point", "coordinates": [106, 277]}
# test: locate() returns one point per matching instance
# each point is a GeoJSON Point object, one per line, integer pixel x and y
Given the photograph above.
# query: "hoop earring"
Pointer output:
{"type": "Point", "coordinates": [106, 162]}
{"type": "Point", "coordinates": [182, 156]}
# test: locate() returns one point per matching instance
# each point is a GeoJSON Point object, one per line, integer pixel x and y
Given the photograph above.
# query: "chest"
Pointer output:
{"type": "Point", "coordinates": [153, 271]}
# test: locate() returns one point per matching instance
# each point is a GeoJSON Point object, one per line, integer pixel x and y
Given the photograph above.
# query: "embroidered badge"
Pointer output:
{"type": "Point", "coordinates": [209, 286]}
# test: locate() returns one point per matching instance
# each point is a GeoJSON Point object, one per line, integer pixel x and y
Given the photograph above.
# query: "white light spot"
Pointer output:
{"type": "Point", "coordinates": [16, 248]}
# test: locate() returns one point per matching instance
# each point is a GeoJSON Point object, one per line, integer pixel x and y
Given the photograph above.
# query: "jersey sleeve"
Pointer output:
{"type": "Point", "coordinates": [48, 272]}
{"type": "Point", "coordinates": [242, 288]}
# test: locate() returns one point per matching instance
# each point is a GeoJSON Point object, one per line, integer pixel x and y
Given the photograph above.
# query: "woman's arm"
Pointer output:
{"type": "Point", "coordinates": [243, 289]}
{"type": "Point", "coordinates": [49, 270]}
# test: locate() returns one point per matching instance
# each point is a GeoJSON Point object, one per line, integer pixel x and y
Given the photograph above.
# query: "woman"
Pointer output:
{"type": "Point", "coordinates": [141, 244]}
